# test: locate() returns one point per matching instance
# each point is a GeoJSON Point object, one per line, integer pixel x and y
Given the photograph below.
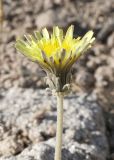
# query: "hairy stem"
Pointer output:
{"type": "Point", "coordinates": [59, 131]}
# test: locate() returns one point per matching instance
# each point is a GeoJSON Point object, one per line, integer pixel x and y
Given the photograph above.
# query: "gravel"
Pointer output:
{"type": "Point", "coordinates": [94, 71]}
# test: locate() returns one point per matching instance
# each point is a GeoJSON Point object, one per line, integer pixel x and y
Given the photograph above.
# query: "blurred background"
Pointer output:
{"type": "Point", "coordinates": [93, 72]}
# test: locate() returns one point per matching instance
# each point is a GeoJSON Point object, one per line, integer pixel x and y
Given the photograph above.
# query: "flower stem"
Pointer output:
{"type": "Point", "coordinates": [59, 131]}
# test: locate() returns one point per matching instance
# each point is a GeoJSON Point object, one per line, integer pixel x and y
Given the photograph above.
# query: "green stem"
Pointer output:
{"type": "Point", "coordinates": [59, 131]}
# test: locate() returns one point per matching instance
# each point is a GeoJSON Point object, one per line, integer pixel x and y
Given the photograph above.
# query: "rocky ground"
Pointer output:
{"type": "Point", "coordinates": [94, 72]}
{"type": "Point", "coordinates": [29, 121]}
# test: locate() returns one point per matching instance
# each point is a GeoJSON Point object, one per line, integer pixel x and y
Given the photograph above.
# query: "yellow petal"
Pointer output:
{"type": "Point", "coordinates": [88, 36]}
{"type": "Point", "coordinates": [56, 32]}
{"type": "Point", "coordinates": [45, 33]}
{"type": "Point", "coordinates": [69, 33]}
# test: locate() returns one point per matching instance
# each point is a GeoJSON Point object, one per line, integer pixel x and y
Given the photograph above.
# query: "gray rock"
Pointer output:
{"type": "Point", "coordinates": [46, 19]}
{"type": "Point", "coordinates": [30, 116]}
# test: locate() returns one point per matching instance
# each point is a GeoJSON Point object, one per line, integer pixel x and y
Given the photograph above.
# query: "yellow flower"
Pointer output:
{"type": "Point", "coordinates": [55, 53]}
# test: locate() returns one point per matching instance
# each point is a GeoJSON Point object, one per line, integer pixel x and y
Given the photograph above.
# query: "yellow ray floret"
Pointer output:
{"type": "Point", "coordinates": [55, 52]}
